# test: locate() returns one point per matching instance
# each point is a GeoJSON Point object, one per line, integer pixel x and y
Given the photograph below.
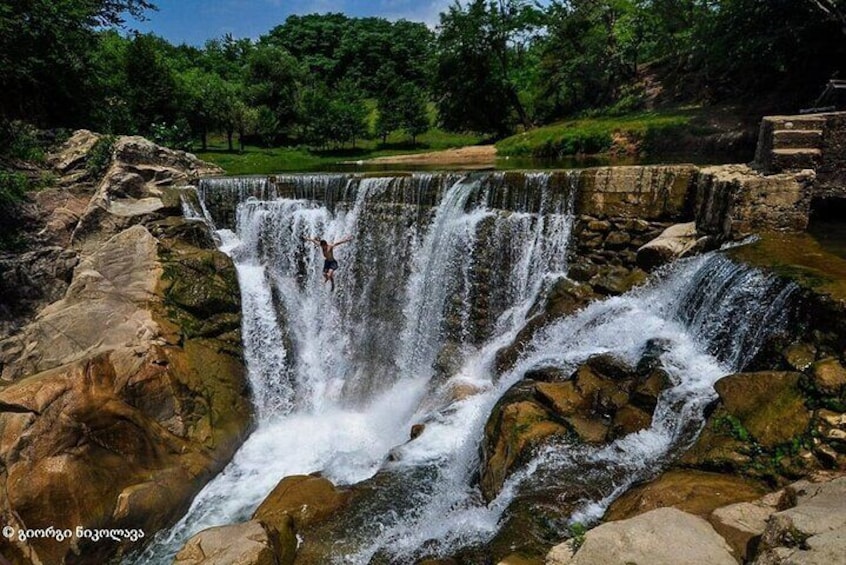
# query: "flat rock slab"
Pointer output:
{"type": "Point", "coordinates": [661, 537]}
{"type": "Point", "coordinates": [239, 544]}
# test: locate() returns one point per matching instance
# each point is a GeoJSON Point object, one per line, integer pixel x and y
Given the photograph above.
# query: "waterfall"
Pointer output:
{"type": "Point", "coordinates": [440, 274]}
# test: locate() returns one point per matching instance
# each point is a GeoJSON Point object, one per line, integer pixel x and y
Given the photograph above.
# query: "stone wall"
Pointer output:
{"type": "Point", "coordinates": [831, 174]}
{"type": "Point", "coordinates": [733, 201]}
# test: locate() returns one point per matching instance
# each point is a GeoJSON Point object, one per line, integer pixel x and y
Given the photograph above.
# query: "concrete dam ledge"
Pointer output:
{"type": "Point", "coordinates": [728, 200]}
{"type": "Point", "coordinates": [776, 192]}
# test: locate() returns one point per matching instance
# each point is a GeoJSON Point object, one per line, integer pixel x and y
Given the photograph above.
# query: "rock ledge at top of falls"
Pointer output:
{"type": "Point", "coordinates": [122, 398]}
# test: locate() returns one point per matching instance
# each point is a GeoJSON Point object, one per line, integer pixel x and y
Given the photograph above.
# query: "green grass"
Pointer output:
{"type": "Point", "coordinates": [262, 161]}
{"type": "Point", "coordinates": [595, 135]}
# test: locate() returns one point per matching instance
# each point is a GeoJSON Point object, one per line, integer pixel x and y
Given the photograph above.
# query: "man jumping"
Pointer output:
{"type": "Point", "coordinates": [330, 265]}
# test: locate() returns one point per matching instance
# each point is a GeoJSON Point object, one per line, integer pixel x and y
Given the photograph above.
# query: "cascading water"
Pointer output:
{"type": "Point", "coordinates": [338, 379]}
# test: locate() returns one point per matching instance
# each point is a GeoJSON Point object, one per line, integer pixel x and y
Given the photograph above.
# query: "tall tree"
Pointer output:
{"type": "Point", "coordinates": [476, 64]}
{"type": "Point", "coordinates": [274, 77]}
{"type": "Point", "coordinates": [44, 55]}
{"type": "Point", "coordinates": [210, 103]}
{"type": "Point", "coordinates": [151, 87]}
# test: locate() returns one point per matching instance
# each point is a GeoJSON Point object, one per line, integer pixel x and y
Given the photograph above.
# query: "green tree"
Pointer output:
{"type": "Point", "coordinates": [478, 48]}
{"type": "Point", "coordinates": [274, 77]}
{"type": "Point", "coordinates": [414, 112]}
{"type": "Point", "coordinates": [389, 110]}
{"type": "Point", "coordinates": [45, 48]}
{"type": "Point", "coordinates": [151, 87]}
{"type": "Point", "coordinates": [210, 103]}
{"type": "Point", "coordinates": [244, 119]}
{"type": "Point", "coordinates": [111, 112]}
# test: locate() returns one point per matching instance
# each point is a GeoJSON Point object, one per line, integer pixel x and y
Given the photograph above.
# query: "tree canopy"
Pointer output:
{"type": "Point", "coordinates": [490, 66]}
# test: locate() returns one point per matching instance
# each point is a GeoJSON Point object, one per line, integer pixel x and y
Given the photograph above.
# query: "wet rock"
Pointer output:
{"type": "Point", "coordinates": [514, 428]}
{"type": "Point", "coordinates": [829, 377]}
{"type": "Point", "coordinates": [756, 427]}
{"type": "Point", "coordinates": [800, 356]}
{"type": "Point", "coordinates": [601, 226]}
{"type": "Point", "coordinates": [582, 271]}
{"type": "Point", "coordinates": [695, 492]}
{"type": "Point", "coordinates": [593, 406]}
{"type": "Point", "coordinates": [645, 539]}
{"type": "Point", "coordinates": [416, 430]}
{"type": "Point", "coordinates": [613, 281]}
{"type": "Point", "coordinates": [449, 360]}
{"type": "Point", "coordinates": [617, 240]}
{"type": "Point", "coordinates": [648, 389]}
{"type": "Point", "coordinates": [769, 405]}
{"type": "Point", "coordinates": [676, 241]}
{"type": "Point", "coordinates": [242, 544]}
{"type": "Point", "coordinates": [303, 498]}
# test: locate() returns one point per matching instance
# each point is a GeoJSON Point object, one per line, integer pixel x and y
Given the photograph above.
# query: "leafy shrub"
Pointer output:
{"type": "Point", "coordinates": [577, 535]}
{"type": "Point", "coordinates": [13, 186]}
{"type": "Point", "coordinates": [21, 141]}
{"type": "Point", "coordinates": [174, 136]}
{"type": "Point", "coordinates": [100, 156]}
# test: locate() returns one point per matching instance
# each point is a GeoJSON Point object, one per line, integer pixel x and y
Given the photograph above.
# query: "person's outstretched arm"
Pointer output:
{"type": "Point", "coordinates": [347, 239]}
{"type": "Point", "coordinates": [313, 240]}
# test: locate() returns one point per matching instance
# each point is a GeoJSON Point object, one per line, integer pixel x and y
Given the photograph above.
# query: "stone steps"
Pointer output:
{"type": "Point", "coordinates": [795, 159]}
{"type": "Point", "coordinates": [796, 122]}
{"type": "Point", "coordinates": [797, 139]}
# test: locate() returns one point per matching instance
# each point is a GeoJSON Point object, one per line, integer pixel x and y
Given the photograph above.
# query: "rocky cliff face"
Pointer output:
{"type": "Point", "coordinates": [126, 392]}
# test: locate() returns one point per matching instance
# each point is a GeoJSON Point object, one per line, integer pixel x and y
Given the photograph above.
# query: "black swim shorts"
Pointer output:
{"type": "Point", "coordinates": [330, 265]}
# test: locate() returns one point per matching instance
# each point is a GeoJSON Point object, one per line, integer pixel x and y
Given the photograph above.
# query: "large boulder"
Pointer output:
{"type": "Point", "coordinates": [811, 531]}
{"type": "Point", "coordinates": [676, 241]}
{"type": "Point", "coordinates": [276, 529]}
{"type": "Point", "coordinates": [302, 498]}
{"type": "Point", "coordinates": [665, 536]}
{"type": "Point", "coordinates": [239, 544]}
{"type": "Point", "coordinates": [124, 397]}
{"type": "Point", "coordinates": [695, 492]}
{"type": "Point", "coordinates": [756, 428]}
{"type": "Point", "coordinates": [742, 524]}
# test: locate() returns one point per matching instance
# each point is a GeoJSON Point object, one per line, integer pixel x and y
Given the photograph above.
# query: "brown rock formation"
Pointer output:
{"type": "Point", "coordinates": [121, 399]}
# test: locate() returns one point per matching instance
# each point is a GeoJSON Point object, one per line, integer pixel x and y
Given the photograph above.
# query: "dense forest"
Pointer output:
{"type": "Point", "coordinates": [490, 66]}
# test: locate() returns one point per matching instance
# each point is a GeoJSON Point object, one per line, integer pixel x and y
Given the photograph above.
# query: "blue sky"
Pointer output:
{"type": "Point", "coordinates": [195, 21]}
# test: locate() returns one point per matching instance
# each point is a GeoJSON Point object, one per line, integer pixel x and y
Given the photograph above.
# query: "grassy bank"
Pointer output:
{"type": "Point", "coordinates": [603, 134]}
{"type": "Point", "coordinates": [261, 160]}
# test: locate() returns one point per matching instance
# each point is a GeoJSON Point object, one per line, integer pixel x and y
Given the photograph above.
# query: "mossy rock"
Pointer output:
{"type": "Point", "coordinates": [695, 492]}
{"type": "Point", "coordinates": [512, 431]}
{"type": "Point", "coordinates": [769, 405]}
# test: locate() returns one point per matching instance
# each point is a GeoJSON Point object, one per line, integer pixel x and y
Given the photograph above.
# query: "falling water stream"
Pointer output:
{"type": "Point", "coordinates": [426, 295]}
